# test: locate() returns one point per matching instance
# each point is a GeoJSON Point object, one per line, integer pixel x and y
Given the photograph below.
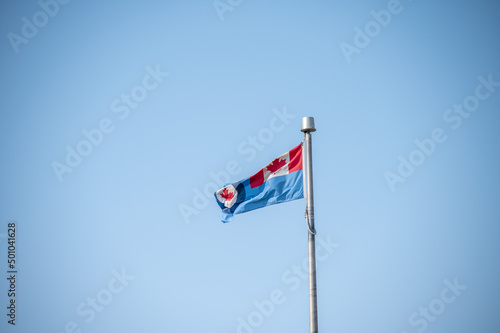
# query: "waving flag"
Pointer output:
{"type": "Point", "coordinates": [279, 181]}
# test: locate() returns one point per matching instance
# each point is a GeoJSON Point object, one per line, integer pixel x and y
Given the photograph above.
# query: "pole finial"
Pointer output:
{"type": "Point", "coordinates": [308, 125]}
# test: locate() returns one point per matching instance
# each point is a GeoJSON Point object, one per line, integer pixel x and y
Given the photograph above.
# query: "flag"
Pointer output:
{"type": "Point", "coordinates": [279, 181]}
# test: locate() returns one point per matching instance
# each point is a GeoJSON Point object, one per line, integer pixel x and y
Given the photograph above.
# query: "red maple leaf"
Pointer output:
{"type": "Point", "coordinates": [276, 165]}
{"type": "Point", "coordinates": [227, 195]}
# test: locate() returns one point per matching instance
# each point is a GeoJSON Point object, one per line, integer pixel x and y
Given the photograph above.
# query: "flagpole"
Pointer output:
{"type": "Point", "coordinates": [308, 128]}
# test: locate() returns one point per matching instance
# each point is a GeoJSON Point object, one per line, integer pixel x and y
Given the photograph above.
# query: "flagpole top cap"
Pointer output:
{"type": "Point", "coordinates": [308, 125]}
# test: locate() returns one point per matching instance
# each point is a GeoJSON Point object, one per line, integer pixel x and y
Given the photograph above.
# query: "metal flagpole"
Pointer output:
{"type": "Point", "coordinates": [308, 128]}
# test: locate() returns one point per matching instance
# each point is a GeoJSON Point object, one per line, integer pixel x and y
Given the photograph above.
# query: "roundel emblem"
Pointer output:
{"type": "Point", "coordinates": [227, 196]}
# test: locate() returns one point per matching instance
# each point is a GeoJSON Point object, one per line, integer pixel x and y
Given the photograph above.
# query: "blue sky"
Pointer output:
{"type": "Point", "coordinates": [118, 117]}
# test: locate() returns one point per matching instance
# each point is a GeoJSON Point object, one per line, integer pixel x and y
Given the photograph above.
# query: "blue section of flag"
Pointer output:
{"type": "Point", "coordinates": [275, 190]}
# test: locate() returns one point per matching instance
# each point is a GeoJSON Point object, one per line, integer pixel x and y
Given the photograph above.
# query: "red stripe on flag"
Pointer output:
{"type": "Point", "coordinates": [295, 163]}
{"type": "Point", "coordinates": [257, 179]}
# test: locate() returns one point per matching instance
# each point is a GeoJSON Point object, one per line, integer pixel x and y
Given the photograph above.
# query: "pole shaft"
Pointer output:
{"type": "Point", "coordinates": [313, 302]}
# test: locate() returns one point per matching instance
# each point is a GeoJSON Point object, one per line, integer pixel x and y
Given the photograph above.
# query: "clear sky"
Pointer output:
{"type": "Point", "coordinates": [118, 116]}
